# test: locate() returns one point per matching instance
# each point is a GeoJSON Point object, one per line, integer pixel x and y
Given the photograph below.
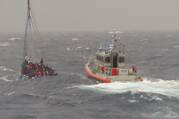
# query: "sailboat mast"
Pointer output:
{"type": "Point", "coordinates": [26, 28]}
{"type": "Point", "coordinates": [28, 10]}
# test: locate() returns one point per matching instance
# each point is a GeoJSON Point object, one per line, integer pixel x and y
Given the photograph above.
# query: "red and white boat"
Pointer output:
{"type": "Point", "coordinates": [108, 64]}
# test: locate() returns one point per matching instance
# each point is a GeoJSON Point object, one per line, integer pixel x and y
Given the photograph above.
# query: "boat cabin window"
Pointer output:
{"type": "Point", "coordinates": [107, 59]}
{"type": "Point", "coordinates": [115, 61]}
{"type": "Point", "coordinates": [100, 58]}
{"type": "Point", "coordinates": [123, 70]}
{"type": "Point", "coordinates": [97, 57]}
{"type": "Point", "coordinates": [121, 59]}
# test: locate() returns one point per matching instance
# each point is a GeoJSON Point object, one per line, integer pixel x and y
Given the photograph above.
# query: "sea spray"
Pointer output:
{"type": "Point", "coordinates": [159, 86]}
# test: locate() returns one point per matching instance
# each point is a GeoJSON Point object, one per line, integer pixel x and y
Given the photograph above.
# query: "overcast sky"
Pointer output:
{"type": "Point", "coordinates": [78, 15]}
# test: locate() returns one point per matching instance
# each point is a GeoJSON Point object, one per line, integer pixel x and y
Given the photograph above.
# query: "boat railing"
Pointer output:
{"type": "Point", "coordinates": [109, 71]}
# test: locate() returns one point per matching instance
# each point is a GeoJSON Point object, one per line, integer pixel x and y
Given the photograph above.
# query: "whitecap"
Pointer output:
{"type": "Point", "coordinates": [14, 38]}
{"type": "Point", "coordinates": [87, 48]}
{"type": "Point", "coordinates": [163, 113]}
{"type": "Point", "coordinates": [4, 78]}
{"type": "Point", "coordinates": [176, 46]}
{"type": "Point", "coordinates": [79, 47]}
{"type": "Point", "coordinates": [132, 101]}
{"type": "Point", "coordinates": [4, 44]}
{"type": "Point", "coordinates": [3, 68]}
{"type": "Point", "coordinates": [164, 87]}
{"type": "Point", "coordinates": [68, 49]}
{"type": "Point", "coordinates": [11, 93]}
{"type": "Point", "coordinates": [74, 39]}
{"type": "Point", "coordinates": [156, 98]}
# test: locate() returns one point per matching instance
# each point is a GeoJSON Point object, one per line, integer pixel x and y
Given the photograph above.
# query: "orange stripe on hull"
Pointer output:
{"type": "Point", "coordinates": [93, 75]}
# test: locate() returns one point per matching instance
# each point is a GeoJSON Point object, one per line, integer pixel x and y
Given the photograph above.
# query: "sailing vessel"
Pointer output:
{"type": "Point", "coordinates": [109, 65]}
{"type": "Point", "coordinates": [31, 69]}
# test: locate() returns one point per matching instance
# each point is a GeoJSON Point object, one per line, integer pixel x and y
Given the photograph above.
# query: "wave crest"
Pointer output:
{"type": "Point", "coordinates": [157, 86]}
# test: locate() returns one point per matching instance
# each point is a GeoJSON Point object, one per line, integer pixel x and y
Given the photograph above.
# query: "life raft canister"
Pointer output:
{"type": "Point", "coordinates": [114, 72]}
{"type": "Point", "coordinates": [102, 69]}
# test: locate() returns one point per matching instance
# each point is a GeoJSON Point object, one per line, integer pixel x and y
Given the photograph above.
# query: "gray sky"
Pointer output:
{"type": "Point", "coordinates": [75, 15]}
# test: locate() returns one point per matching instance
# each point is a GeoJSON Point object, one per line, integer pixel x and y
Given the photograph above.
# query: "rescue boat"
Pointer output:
{"type": "Point", "coordinates": [109, 63]}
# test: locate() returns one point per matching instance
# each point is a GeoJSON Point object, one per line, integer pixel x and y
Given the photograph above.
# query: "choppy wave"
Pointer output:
{"type": "Point", "coordinates": [164, 87]}
{"type": "Point", "coordinates": [14, 38]}
{"type": "Point", "coordinates": [144, 40]}
{"type": "Point", "coordinates": [11, 93]}
{"type": "Point", "coordinates": [3, 68]}
{"type": "Point", "coordinates": [74, 39]}
{"type": "Point", "coordinates": [31, 95]}
{"type": "Point", "coordinates": [4, 44]}
{"type": "Point", "coordinates": [87, 48]}
{"type": "Point", "coordinates": [79, 47]}
{"type": "Point", "coordinates": [164, 113]}
{"type": "Point", "coordinates": [5, 78]}
{"type": "Point", "coordinates": [176, 46]}
{"type": "Point", "coordinates": [68, 49]}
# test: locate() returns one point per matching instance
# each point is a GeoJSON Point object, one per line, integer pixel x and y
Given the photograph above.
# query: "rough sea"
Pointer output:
{"type": "Point", "coordinates": [71, 95]}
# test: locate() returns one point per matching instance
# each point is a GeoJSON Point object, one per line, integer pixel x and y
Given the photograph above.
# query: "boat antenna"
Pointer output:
{"type": "Point", "coordinates": [114, 35]}
{"type": "Point", "coordinates": [28, 4]}
{"type": "Point", "coordinates": [115, 41]}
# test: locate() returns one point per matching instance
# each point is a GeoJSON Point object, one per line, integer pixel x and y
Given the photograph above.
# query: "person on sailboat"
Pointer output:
{"type": "Point", "coordinates": [39, 72]}
{"type": "Point", "coordinates": [41, 61]}
{"type": "Point", "coordinates": [24, 67]}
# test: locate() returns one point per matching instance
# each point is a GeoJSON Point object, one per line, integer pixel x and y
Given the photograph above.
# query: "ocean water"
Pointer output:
{"type": "Point", "coordinates": [71, 95]}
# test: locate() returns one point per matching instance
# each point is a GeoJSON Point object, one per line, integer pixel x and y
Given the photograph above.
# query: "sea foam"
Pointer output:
{"type": "Point", "coordinates": [157, 86]}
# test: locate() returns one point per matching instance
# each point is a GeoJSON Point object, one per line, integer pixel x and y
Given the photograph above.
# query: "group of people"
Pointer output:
{"type": "Point", "coordinates": [31, 69]}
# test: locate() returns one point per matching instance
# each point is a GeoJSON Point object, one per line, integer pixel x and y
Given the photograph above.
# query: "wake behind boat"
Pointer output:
{"type": "Point", "coordinates": [31, 69]}
{"type": "Point", "coordinates": [108, 64]}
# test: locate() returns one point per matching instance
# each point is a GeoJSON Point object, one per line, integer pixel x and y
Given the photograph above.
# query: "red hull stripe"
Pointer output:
{"type": "Point", "coordinates": [93, 75]}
